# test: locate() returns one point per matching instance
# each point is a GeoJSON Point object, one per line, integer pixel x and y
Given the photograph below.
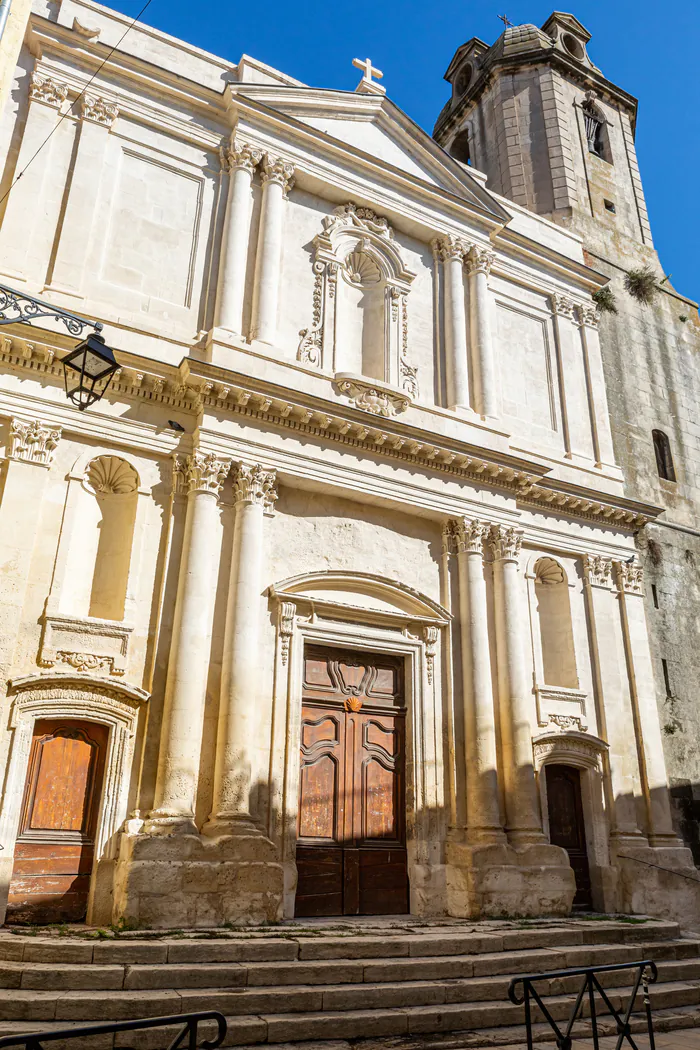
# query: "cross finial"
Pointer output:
{"type": "Point", "coordinates": [506, 21]}
{"type": "Point", "coordinates": [369, 71]}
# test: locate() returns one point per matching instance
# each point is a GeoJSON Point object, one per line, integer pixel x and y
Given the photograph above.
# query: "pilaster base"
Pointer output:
{"type": "Point", "coordinates": [184, 881]}
{"type": "Point", "coordinates": [499, 881]}
{"type": "Point", "coordinates": [661, 881]}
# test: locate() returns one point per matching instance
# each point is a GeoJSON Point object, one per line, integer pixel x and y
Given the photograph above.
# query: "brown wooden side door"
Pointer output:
{"type": "Point", "coordinates": [351, 847]}
{"type": "Point", "coordinates": [55, 848]}
{"type": "Point", "coordinates": [566, 826]}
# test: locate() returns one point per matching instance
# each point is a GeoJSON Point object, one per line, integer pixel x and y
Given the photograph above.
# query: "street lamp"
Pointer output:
{"type": "Point", "coordinates": [88, 369]}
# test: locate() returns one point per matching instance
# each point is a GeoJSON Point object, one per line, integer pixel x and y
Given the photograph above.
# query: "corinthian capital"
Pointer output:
{"type": "Point", "coordinates": [471, 536]}
{"type": "Point", "coordinates": [506, 541]}
{"type": "Point", "coordinates": [205, 472]}
{"type": "Point", "coordinates": [33, 442]}
{"type": "Point", "coordinates": [255, 485]}
{"type": "Point", "coordinates": [479, 259]}
{"type": "Point", "coordinates": [597, 571]}
{"type": "Point", "coordinates": [562, 305]}
{"type": "Point", "coordinates": [277, 169]}
{"type": "Point", "coordinates": [630, 577]}
{"type": "Point", "coordinates": [98, 110]}
{"type": "Point", "coordinates": [47, 90]}
{"type": "Point", "coordinates": [450, 247]}
{"type": "Point", "coordinates": [588, 314]}
{"type": "Point", "coordinates": [237, 154]}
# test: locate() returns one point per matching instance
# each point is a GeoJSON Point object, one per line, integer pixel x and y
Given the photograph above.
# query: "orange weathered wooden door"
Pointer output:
{"type": "Point", "coordinates": [55, 848]}
{"type": "Point", "coordinates": [351, 847]}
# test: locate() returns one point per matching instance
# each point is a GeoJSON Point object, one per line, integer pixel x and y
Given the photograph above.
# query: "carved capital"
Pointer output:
{"type": "Point", "coordinates": [471, 536]}
{"type": "Point", "coordinates": [205, 472]}
{"type": "Point", "coordinates": [33, 442]}
{"type": "Point", "coordinates": [278, 170]}
{"type": "Point", "coordinates": [588, 314]}
{"type": "Point", "coordinates": [597, 571]}
{"type": "Point", "coordinates": [98, 110]}
{"type": "Point", "coordinates": [236, 154]}
{"type": "Point", "coordinates": [47, 90]}
{"type": "Point", "coordinates": [479, 259]}
{"type": "Point", "coordinates": [255, 485]}
{"type": "Point", "coordinates": [562, 305]}
{"type": "Point", "coordinates": [506, 542]}
{"type": "Point", "coordinates": [630, 577]}
{"type": "Point", "coordinates": [450, 247]}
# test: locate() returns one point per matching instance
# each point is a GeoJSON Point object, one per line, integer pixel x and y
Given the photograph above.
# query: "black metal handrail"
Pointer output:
{"type": "Point", "coordinates": [189, 1022]}
{"type": "Point", "coordinates": [646, 975]}
{"type": "Point", "coordinates": [670, 871]}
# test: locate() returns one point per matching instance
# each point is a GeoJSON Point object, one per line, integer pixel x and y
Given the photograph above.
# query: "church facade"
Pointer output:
{"type": "Point", "coordinates": [332, 604]}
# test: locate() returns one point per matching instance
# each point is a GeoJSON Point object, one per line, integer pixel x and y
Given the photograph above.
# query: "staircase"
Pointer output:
{"type": "Point", "coordinates": [389, 981]}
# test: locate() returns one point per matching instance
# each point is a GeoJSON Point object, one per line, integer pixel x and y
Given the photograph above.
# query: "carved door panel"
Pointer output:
{"type": "Point", "coordinates": [351, 850]}
{"type": "Point", "coordinates": [566, 826]}
{"type": "Point", "coordinates": [55, 847]}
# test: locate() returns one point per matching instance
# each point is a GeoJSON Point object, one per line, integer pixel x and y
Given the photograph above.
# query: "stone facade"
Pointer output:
{"type": "Point", "coordinates": [520, 108]}
{"type": "Point", "coordinates": [392, 435]}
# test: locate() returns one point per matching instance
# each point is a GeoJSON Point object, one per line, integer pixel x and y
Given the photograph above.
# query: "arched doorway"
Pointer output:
{"type": "Point", "coordinates": [567, 828]}
{"type": "Point", "coordinates": [55, 847]}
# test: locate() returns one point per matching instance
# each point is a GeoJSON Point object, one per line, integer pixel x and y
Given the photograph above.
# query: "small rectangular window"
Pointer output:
{"type": "Point", "coordinates": [655, 596]}
{"type": "Point", "coordinates": [667, 680]}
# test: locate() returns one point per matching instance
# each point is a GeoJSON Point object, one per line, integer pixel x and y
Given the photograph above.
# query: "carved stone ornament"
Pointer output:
{"type": "Point", "coordinates": [549, 572]}
{"type": "Point", "coordinates": [85, 31]}
{"type": "Point", "coordinates": [506, 542]}
{"type": "Point", "coordinates": [471, 536]}
{"type": "Point", "coordinates": [597, 571]}
{"type": "Point", "coordinates": [569, 747]}
{"type": "Point", "coordinates": [236, 154]}
{"type": "Point", "coordinates": [206, 472]}
{"type": "Point", "coordinates": [430, 636]}
{"type": "Point", "coordinates": [33, 442]}
{"type": "Point", "coordinates": [630, 577]}
{"type": "Point", "coordinates": [588, 314]}
{"type": "Point", "coordinates": [372, 397]}
{"type": "Point", "coordinates": [47, 90]}
{"type": "Point", "coordinates": [286, 614]}
{"type": "Point", "coordinates": [255, 485]}
{"type": "Point", "coordinates": [110, 475]}
{"type": "Point", "coordinates": [479, 259]}
{"type": "Point", "coordinates": [562, 305]}
{"type": "Point", "coordinates": [450, 247]}
{"type": "Point", "coordinates": [278, 170]}
{"type": "Point", "coordinates": [85, 644]}
{"type": "Point", "coordinates": [98, 110]}
{"type": "Point", "coordinates": [567, 722]}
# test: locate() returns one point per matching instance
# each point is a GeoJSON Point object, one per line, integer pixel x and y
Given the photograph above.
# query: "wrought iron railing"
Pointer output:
{"type": "Point", "coordinates": [186, 1038]}
{"type": "Point", "coordinates": [585, 999]}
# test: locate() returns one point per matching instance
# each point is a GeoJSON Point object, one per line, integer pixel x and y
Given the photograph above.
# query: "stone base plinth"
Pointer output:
{"type": "Point", "coordinates": [190, 880]}
{"type": "Point", "coordinates": [661, 881]}
{"type": "Point", "coordinates": [500, 881]}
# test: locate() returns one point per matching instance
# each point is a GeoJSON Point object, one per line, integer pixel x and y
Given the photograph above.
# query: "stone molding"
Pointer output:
{"type": "Point", "coordinates": [84, 644]}
{"type": "Point", "coordinates": [630, 577]}
{"type": "Point", "coordinates": [376, 398]}
{"type": "Point", "coordinates": [562, 306]}
{"type": "Point", "coordinates": [47, 90]}
{"type": "Point", "coordinates": [471, 535]}
{"type": "Point", "coordinates": [569, 748]}
{"type": "Point", "coordinates": [205, 472]}
{"type": "Point", "coordinates": [254, 484]}
{"type": "Point", "coordinates": [98, 110]}
{"type": "Point", "coordinates": [33, 442]}
{"type": "Point", "coordinates": [506, 542]}
{"type": "Point", "coordinates": [588, 314]}
{"type": "Point", "coordinates": [277, 170]}
{"type": "Point", "coordinates": [479, 260]}
{"type": "Point", "coordinates": [237, 155]}
{"type": "Point", "coordinates": [597, 571]}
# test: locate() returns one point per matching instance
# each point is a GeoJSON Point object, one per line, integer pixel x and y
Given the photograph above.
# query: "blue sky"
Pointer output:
{"type": "Point", "coordinates": [648, 48]}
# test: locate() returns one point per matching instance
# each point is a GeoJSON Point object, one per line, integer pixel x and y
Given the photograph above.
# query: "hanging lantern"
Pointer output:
{"type": "Point", "coordinates": [87, 371]}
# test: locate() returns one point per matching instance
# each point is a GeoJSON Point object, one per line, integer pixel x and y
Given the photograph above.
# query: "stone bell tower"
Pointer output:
{"type": "Point", "coordinates": [540, 119]}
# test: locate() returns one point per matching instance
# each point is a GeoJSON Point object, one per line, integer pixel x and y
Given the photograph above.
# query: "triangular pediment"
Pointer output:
{"type": "Point", "coordinates": [375, 128]}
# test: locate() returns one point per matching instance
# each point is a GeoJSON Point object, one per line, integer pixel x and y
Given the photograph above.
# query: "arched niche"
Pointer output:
{"type": "Point", "coordinates": [556, 635]}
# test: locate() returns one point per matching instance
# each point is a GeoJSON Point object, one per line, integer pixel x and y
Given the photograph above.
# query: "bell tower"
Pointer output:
{"type": "Point", "coordinates": [551, 132]}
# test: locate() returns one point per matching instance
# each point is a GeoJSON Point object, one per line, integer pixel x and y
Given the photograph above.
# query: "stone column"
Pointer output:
{"type": "Point", "coordinates": [25, 205]}
{"type": "Point", "coordinates": [597, 396]}
{"type": "Point", "coordinates": [240, 161]}
{"type": "Point", "coordinates": [452, 251]}
{"type": "Point", "coordinates": [185, 688]}
{"type": "Point", "coordinates": [97, 118]}
{"type": "Point", "coordinates": [277, 178]}
{"type": "Point", "coordinates": [523, 821]}
{"type": "Point", "coordinates": [615, 717]}
{"type": "Point", "coordinates": [479, 261]}
{"type": "Point", "coordinates": [254, 491]}
{"type": "Point", "coordinates": [480, 752]}
{"type": "Point", "coordinates": [630, 582]}
{"type": "Point", "coordinates": [31, 450]}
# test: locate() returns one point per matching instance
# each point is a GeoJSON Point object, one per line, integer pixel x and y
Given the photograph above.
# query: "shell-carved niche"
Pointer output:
{"type": "Point", "coordinates": [360, 313]}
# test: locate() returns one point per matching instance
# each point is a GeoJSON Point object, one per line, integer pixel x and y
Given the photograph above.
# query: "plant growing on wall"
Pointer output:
{"type": "Point", "coordinates": [641, 285]}
{"type": "Point", "coordinates": [605, 300]}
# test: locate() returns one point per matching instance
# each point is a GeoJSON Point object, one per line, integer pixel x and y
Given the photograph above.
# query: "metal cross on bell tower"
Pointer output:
{"type": "Point", "coordinates": [506, 21]}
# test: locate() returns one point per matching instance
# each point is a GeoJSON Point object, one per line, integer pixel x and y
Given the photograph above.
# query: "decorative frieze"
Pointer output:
{"type": "Point", "coordinates": [33, 442]}
{"type": "Point", "coordinates": [98, 110]}
{"type": "Point", "coordinates": [236, 154]}
{"type": "Point", "coordinates": [278, 170]}
{"type": "Point", "coordinates": [479, 259]}
{"type": "Point", "coordinates": [254, 484]}
{"type": "Point", "coordinates": [47, 90]}
{"type": "Point", "coordinates": [506, 541]}
{"type": "Point", "coordinates": [562, 305]}
{"type": "Point", "coordinates": [471, 536]}
{"type": "Point", "coordinates": [630, 577]}
{"type": "Point", "coordinates": [206, 472]}
{"type": "Point", "coordinates": [597, 571]}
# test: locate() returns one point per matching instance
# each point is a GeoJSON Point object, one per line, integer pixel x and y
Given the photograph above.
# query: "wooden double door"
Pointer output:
{"type": "Point", "coordinates": [55, 848]}
{"type": "Point", "coordinates": [351, 845]}
{"type": "Point", "coordinates": [566, 826]}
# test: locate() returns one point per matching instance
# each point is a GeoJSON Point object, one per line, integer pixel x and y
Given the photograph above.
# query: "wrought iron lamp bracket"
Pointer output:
{"type": "Point", "coordinates": [18, 308]}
